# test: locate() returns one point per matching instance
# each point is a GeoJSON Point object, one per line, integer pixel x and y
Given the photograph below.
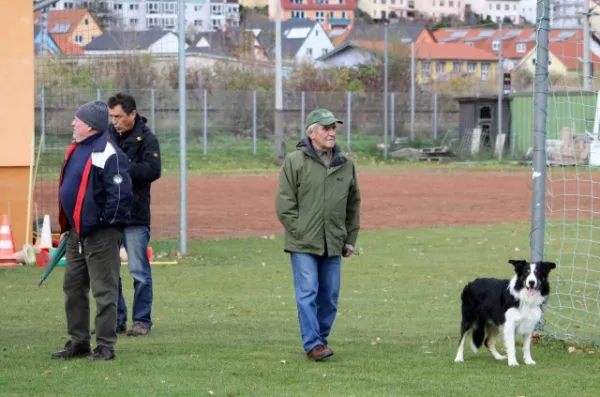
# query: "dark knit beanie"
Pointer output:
{"type": "Point", "coordinates": [94, 114]}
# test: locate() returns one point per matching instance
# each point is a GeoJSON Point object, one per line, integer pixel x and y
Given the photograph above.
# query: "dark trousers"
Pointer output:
{"type": "Point", "coordinates": [97, 265]}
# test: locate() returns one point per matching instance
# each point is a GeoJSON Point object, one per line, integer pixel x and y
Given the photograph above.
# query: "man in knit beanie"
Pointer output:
{"type": "Point", "coordinates": [95, 197]}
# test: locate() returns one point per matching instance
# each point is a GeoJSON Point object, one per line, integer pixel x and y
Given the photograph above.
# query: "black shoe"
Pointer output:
{"type": "Point", "coordinates": [73, 350]}
{"type": "Point", "coordinates": [102, 353]}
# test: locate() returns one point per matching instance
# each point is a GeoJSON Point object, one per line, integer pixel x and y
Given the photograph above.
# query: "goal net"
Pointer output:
{"type": "Point", "coordinates": [572, 227]}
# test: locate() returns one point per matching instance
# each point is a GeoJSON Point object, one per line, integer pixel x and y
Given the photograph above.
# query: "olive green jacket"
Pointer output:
{"type": "Point", "coordinates": [318, 206]}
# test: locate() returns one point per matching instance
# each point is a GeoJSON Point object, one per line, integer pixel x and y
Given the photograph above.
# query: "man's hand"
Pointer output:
{"type": "Point", "coordinates": [348, 250]}
{"type": "Point", "coordinates": [62, 235]}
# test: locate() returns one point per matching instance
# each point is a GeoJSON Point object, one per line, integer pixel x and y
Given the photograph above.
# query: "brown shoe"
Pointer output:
{"type": "Point", "coordinates": [319, 352]}
{"type": "Point", "coordinates": [138, 329]}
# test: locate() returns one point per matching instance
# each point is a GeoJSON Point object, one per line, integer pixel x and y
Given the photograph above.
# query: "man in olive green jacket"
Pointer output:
{"type": "Point", "coordinates": [318, 204]}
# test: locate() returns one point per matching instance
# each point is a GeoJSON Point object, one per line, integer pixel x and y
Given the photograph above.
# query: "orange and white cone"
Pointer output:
{"type": "Point", "coordinates": [44, 241]}
{"type": "Point", "coordinates": [7, 245]}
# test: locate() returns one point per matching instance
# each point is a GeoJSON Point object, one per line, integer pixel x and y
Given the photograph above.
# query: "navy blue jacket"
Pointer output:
{"type": "Point", "coordinates": [105, 196]}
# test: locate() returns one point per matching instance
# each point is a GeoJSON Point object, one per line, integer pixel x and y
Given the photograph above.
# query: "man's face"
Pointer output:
{"type": "Point", "coordinates": [81, 130]}
{"type": "Point", "coordinates": [122, 121]}
{"type": "Point", "coordinates": [323, 137]}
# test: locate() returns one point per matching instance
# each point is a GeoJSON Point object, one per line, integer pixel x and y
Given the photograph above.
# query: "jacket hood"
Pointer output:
{"type": "Point", "coordinates": [306, 146]}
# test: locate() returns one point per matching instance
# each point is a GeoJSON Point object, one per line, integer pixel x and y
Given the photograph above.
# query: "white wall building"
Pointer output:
{"type": "Point", "coordinates": [202, 15]}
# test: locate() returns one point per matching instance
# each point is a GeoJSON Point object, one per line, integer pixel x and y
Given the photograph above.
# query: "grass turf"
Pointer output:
{"type": "Point", "coordinates": [225, 325]}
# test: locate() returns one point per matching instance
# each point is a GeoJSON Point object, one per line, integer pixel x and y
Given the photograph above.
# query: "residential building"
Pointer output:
{"type": "Point", "coordinates": [153, 41]}
{"type": "Point", "coordinates": [331, 13]}
{"type": "Point", "coordinates": [516, 42]}
{"type": "Point", "coordinates": [567, 13]}
{"type": "Point", "coordinates": [528, 10]}
{"type": "Point", "coordinates": [200, 15]}
{"type": "Point", "coordinates": [254, 3]}
{"type": "Point", "coordinates": [406, 31]}
{"type": "Point", "coordinates": [70, 29]}
{"type": "Point", "coordinates": [498, 10]}
{"type": "Point", "coordinates": [43, 43]}
{"type": "Point", "coordinates": [411, 9]}
{"type": "Point", "coordinates": [433, 61]}
{"type": "Point", "coordinates": [302, 40]}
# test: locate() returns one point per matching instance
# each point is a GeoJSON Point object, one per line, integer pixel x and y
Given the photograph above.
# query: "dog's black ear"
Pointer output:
{"type": "Point", "coordinates": [517, 263]}
{"type": "Point", "coordinates": [547, 266]}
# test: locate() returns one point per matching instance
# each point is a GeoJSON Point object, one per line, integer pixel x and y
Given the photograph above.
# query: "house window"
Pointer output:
{"type": "Point", "coordinates": [440, 67]}
{"type": "Point", "coordinates": [79, 38]}
{"type": "Point", "coordinates": [426, 69]}
{"type": "Point", "coordinates": [485, 71]}
{"type": "Point", "coordinates": [152, 8]}
{"type": "Point", "coordinates": [170, 8]}
{"type": "Point", "coordinates": [456, 68]}
{"type": "Point", "coordinates": [521, 47]}
{"type": "Point", "coordinates": [133, 21]}
{"type": "Point", "coordinates": [470, 68]}
{"type": "Point", "coordinates": [298, 14]}
{"type": "Point", "coordinates": [198, 22]}
{"type": "Point", "coordinates": [343, 14]}
{"type": "Point", "coordinates": [495, 45]}
{"type": "Point", "coordinates": [309, 51]}
{"type": "Point", "coordinates": [324, 51]}
{"type": "Point", "coordinates": [451, 4]}
{"type": "Point", "coordinates": [320, 16]}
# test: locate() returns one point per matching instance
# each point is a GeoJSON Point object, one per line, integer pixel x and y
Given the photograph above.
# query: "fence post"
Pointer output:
{"type": "Point", "coordinates": [254, 122]}
{"type": "Point", "coordinates": [302, 114]}
{"type": "Point", "coordinates": [98, 94]}
{"type": "Point", "coordinates": [43, 119]}
{"type": "Point", "coordinates": [205, 123]}
{"type": "Point", "coordinates": [392, 118]}
{"type": "Point", "coordinates": [435, 115]}
{"type": "Point", "coordinates": [348, 120]}
{"type": "Point", "coordinates": [413, 71]}
{"type": "Point", "coordinates": [152, 111]}
{"type": "Point", "coordinates": [182, 87]}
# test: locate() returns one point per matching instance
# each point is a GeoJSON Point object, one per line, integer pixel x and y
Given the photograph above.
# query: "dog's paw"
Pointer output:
{"type": "Point", "coordinates": [500, 357]}
{"type": "Point", "coordinates": [513, 363]}
{"type": "Point", "coordinates": [459, 360]}
{"type": "Point", "coordinates": [529, 361]}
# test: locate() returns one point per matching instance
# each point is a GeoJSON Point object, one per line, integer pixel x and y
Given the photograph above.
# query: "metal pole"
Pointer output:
{"type": "Point", "coordinates": [279, 134]}
{"type": "Point", "coordinates": [540, 105]}
{"type": "Point", "coordinates": [392, 118]}
{"type": "Point", "coordinates": [500, 71]}
{"type": "Point", "coordinates": [152, 111]}
{"type": "Point", "coordinates": [435, 115]}
{"type": "Point", "coordinates": [43, 119]}
{"type": "Point", "coordinates": [44, 32]}
{"type": "Point", "coordinates": [385, 91]}
{"type": "Point", "coordinates": [205, 124]}
{"type": "Point", "coordinates": [412, 90]}
{"type": "Point", "coordinates": [302, 114]}
{"type": "Point", "coordinates": [40, 5]}
{"type": "Point", "coordinates": [587, 64]}
{"type": "Point", "coordinates": [348, 120]}
{"type": "Point", "coordinates": [182, 130]}
{"type": "Point", "coordinates": [254, 122]}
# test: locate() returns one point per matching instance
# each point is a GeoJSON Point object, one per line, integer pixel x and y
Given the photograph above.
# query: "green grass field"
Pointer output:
{"type": "Point", "coordinates": [225, 325]}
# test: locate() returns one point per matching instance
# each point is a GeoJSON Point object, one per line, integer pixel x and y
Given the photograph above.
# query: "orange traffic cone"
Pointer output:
{"type": "Point", "coordinates": [7, 245]}
{"type": "Point", "coordinates": [150, 254]}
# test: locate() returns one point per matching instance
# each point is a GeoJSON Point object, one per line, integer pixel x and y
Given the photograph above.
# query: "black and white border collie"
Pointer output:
{"type": "Point", "coordinates": [515, 304]}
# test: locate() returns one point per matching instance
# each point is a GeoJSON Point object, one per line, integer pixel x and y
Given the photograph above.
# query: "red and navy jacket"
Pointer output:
{"type": "Point", "coordinates": [104, 196]}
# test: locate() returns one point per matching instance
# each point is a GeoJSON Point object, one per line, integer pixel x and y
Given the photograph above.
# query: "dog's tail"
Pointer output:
{"type": "Point", "coordinates": [478, 335]}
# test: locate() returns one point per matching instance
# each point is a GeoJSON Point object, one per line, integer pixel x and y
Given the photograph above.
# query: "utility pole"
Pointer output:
{"type": "Point", "coordinates": [500, 71]}
{"type": "Point", "coordinates": [587, 64]}
{"type": "Point", "coordinates": [279, 133]}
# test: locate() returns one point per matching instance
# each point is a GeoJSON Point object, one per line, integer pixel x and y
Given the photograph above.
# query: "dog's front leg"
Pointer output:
{"type": "Point", "coordinates": [509, 343]}
{"type": "Point", "coordinates": [527, 349]}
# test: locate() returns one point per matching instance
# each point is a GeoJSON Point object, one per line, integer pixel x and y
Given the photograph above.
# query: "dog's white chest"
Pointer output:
{"type": "Point", "coordinates": [524, 318]}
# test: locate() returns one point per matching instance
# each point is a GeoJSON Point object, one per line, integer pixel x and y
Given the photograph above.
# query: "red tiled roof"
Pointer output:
{"type": "Point", "coordinates": [64, 17]}
{"type": "Point", "coordinates": [433, 51]}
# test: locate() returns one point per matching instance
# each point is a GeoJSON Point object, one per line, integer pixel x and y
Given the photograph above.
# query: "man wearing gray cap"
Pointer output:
{"type": "Point", "coordinates": [95, 197]}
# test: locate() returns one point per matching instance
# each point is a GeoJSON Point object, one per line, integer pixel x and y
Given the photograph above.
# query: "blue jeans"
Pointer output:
{"type": "Point", "coordinates": [317, 288]}
{"type": "Point", "coordinates": [135, 241]}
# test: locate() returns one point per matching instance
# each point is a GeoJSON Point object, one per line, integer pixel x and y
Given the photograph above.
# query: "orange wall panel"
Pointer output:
{"type": "Point", "coordinates": [16, 112]}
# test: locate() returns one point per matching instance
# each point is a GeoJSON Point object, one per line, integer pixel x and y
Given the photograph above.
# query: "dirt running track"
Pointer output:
{"type": "Point", "coordinates": [243, 205]}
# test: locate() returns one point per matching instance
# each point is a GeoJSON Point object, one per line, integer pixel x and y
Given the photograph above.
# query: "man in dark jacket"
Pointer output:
{"type": "Point", "coordinates": [318, 204]}
{"type": "Point", "coordinates": [130, 132]}
{"type": "Point", "coordinates": [95, 196]}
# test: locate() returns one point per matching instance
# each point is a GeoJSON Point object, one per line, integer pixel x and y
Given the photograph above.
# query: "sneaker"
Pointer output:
{"type": "Point", "coordinates": [138, 329]}
{"type": "Point", "coordinates": [102, 353]}
{"type": "Point", "coordinates": [73, 350]}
